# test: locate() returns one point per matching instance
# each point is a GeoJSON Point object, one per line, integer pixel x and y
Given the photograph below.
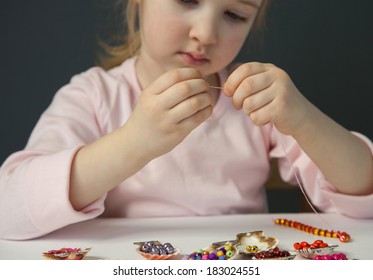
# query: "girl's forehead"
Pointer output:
{"type": "Point", "coordinates": [254, 3]}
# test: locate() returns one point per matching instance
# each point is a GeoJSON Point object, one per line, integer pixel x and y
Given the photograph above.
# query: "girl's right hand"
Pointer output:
{"type": "Point", "coordinates": [168, 110]}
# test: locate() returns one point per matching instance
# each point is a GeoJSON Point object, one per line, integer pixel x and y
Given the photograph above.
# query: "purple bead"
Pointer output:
{"type": "Point", "coordinates": [212, 256]}
{"type": "Point", "coordinates": [145, 248]}
{"type": "Point", "coordinates": [167, 245]}
{"type": "Point", "coordinates": [154, 251]}
{"type": "Point", "coordinates": [150, 243]}
{"type": "Point", "coordinates": [170, 250]}
{"type": "Point", "coordinates": [162, 251]}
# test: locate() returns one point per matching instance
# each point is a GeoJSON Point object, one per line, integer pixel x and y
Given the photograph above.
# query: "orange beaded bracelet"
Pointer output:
{"type": "Point", "coordinates": [342, 236]}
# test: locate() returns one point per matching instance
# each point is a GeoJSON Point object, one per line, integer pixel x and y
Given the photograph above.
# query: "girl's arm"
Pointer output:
{"type": "Point", "coordinates": [166, 112]}
{"type": "Point", "coordinates": [267, 94]}
{"type": "Point", "coordinates": [344, 159]}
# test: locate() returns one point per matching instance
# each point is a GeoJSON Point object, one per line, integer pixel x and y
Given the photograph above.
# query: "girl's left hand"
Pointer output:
{"type": "Point", "coordinates": [267, 94]}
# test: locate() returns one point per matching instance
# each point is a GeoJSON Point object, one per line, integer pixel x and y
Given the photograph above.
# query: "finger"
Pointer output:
{"type": "Point", "coordinates": [262, 116]}
{"type": "Point", "coordinates": [193, 121]}
{"type": "Point", "coordinates": [249, 86]}
{"type": "Point", "coordinates": [191, 106]}
{"type": "Point", "coordinates": [241, 73]}
{"type": "Point", "coordinates": [182, 91]}
{"type": "Point", "coordinates": [173, 77]}
{"type": "Point", "coordinates": [257, 101]}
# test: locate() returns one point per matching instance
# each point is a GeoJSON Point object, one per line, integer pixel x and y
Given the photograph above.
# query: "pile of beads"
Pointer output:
{"type": "Point", "coordinates": [305, 245]}
{"type": "Point", "coordinates": [318, 247]}
{"type": "Point", "coordinates": [157, 248]}
{"type": "Point", "coordinates": [223, 253]}
{"type": "Point", "coordinates": [342, 236]}
{"type": "Point", "coordinates": [67, 254]}
{"type": "Point", "coordinates": [337, 256]}
{"type": "Point", "coordinates": [274, 253]}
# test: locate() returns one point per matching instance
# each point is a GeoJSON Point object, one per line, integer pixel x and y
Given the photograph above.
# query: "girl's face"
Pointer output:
{"type": "Point", "coordinates": [203, 34]}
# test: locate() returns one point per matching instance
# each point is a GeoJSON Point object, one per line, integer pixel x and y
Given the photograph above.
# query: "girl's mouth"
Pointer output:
{"type": "Point", "coordinates": [193, 59]}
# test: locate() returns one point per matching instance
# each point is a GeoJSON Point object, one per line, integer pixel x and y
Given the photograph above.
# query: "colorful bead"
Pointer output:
{"type": "Point", "coordinates": [252, 249]}
{"type": "Point", "coordinates": [229, 253]}
{"type": "Point", "coordinates": [218, 254]}
{"type": "Point", "coordinates": [212, 256]}
{"type": "Point", "coordinates": [342, 236]}
{"type": "Point", "coordinates": [228, 247]}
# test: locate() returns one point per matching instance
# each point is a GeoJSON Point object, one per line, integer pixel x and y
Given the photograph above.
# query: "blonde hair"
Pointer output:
{"type": "Point", "coordinates": [117, 48]}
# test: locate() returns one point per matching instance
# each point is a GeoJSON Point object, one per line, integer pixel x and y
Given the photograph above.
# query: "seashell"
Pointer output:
{"type": "Point", "coordinates": [150, 256]}
{"type": "Point", "coordinates": [310, 253]}
{"type": "Point", "coordinates": [255, 238]}
{"type": "Point", "coordinates": [66, 254]}
{"type": "Point", "coordinates": [218, 245]}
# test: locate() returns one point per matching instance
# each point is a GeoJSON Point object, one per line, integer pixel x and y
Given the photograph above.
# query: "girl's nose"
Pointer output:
{"type": "Point", "coordinates": [204, 30]}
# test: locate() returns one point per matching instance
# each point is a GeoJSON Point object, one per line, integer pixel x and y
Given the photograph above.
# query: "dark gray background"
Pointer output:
{"type": "Point", "coordinates": [326, 46]}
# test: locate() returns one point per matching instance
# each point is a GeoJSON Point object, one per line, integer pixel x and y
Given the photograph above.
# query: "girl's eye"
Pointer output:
{"type": "Point", "coordinates": [188, 2]}
{"type": "Point", "coordinates": [234, 16]}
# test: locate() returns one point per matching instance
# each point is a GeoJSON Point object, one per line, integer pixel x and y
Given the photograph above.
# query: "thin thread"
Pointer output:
{"type": "Point", "coordinates": [298, 180]}
{"type": "Point", "coordinates": [293, 171]}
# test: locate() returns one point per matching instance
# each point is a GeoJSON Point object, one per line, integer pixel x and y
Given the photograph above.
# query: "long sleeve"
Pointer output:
{"type": "Point", "coordinates": [36, 198]}
{"type": "Point", "coordinates": [220, 168]}
{"type": "Point", "coordinates": [34, 183]}
{"type": "Point", "coordinates": [292, 160]}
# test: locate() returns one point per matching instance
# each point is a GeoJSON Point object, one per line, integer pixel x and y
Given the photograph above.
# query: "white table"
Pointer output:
{"type": "Point", "coordinates": [113, 238]}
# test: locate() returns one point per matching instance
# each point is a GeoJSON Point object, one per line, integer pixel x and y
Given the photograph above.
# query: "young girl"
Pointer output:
{"type": "Point", "coordinates": [153, 136]}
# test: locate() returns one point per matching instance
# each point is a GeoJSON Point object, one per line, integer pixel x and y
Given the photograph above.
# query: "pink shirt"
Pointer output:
{"type": "Point", "coordinates": [220, 168]}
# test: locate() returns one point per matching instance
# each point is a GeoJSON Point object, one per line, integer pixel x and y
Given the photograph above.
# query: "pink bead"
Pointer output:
{"type": "Point", "coordinates": [205, 257]}
{"type": "Point", "coordinates": [327, 257]}
{"type": "Point", "coordinates": [341, 256]}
